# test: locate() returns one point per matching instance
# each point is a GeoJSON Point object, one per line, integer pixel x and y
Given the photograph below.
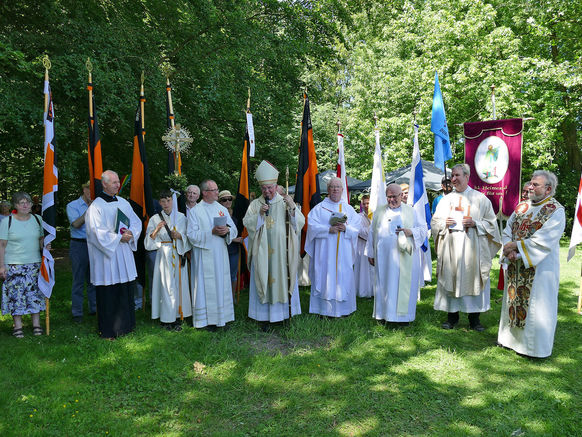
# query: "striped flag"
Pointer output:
{"type": "Point", "coordinates": [46, 279]}
{"type": "Point", "coordinates": [94, 146]}
{"type": "Point", "coordinates": [341, 167]}
{"type": "Point", "coordinates": [577, 226]}
{"type": "Point", "coordinates": [378, 185]}
{"type": "Point", "coordinates": [419, 201]}
{"type": "Point", "coordinates": [140, 194]}
{"type": "Point", "coordinates": [242, 201]}
{"type": "Point", "coordinates": [307, 186]}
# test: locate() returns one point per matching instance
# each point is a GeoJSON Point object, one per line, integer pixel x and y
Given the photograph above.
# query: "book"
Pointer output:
{"type": "Point", "coordinates": [337, 217]}
{"type": "Point", "coordinates": [121, 222]}
{"type": "Point", "coordinates": [220, 221]}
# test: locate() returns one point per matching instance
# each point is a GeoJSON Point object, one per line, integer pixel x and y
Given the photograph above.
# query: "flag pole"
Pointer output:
{"type": "Point", "coordinates": [142, 133]}
{"type": "Point", "coordinates": [493, 102]}
{"type": "Point", "coordinates": [580, 295]}
{"type": "Point", "coordinates": [47, 65]}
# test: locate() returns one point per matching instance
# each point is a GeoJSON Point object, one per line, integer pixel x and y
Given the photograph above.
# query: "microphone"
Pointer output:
{"type": "Point", "coordinates": [267, 201]}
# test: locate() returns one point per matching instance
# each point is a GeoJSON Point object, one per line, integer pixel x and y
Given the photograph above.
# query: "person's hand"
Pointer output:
{"type": "Point", "coordinates": [468, 222]}
{"type": "Point", "coordinates": [3, 272]}
{"type": "Point", "coordinates": [509, 247]}
{"type": "Point", "coordinates": [512, 256]}
{"type": "Point", "coordinates": [238, 240]}
{"type": "Point", "coordinates": [407, 232]}
{"type": "Point", "coordinates": [220, 230]}
{"type": "Point", "coordinates": [341, 227]}
{"type": "Point", "coordinates": [289, 201]}
{"type": "Point", "coordinates": [450, 222]}
{"type": "Point", "coordinates": [264, 209]}
{"type": "Point", "coordinates": [127, 236]}
{"type": "Point", "coordinates": [160, 225]}
{"type": "Point", "coordinates": [371, 261]}
{"type": "Point", "coordinates": [175, 235]}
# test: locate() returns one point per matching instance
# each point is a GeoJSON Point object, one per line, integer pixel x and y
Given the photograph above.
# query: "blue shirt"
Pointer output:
{"type": "Point", "coordinates": [435, 202]}
{"type": "Point", "coordinates": [76, 209]}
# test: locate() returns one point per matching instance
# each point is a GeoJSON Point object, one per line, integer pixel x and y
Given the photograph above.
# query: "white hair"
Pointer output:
{"type": "Point", "coordinates": [551, 179]}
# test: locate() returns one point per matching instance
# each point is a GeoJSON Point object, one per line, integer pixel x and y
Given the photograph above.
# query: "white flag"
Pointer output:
{"type": "Point", "coordinates": [378, 187]}
{"type": "Point", "coordinates": [251, 131]}
{"type": "Point", "coordinates": [341, 166]}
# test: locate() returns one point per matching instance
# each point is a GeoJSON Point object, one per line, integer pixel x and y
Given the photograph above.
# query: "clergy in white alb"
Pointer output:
{"type": "Point", "coordinates": [466, 239]}
{"type": "Point", "coordinates": [363, 271]}
{"type": "Point", "coordinates": [274, 225]}
{"type": "Point", "coordinates": [396, 235]}
{"type": "Point", "coordinates": [112, 232]}
{"type": "Point", "coordinates": [529, 309]}
{"type": "Point", "coordinates": [210, 229]}
{"type": "Point", "coordinates": [332, 237]}
{"type": "Point", "coordinates": [166, 234]}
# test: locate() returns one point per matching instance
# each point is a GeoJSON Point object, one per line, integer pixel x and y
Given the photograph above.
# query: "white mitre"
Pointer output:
{"type": "Point", "coordinates": [266, 174]}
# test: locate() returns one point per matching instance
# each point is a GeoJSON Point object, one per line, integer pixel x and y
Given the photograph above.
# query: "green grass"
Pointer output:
{"type": "Point", "coordinates": [351, 376]}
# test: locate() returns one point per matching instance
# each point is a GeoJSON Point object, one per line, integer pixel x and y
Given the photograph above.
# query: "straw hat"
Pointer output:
{"type": "Point", "coordinates": [223, 194]}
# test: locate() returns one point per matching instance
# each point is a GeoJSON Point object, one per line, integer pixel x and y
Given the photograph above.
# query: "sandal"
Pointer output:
{"type": "Point", "coordinates": [18, 333]}
{"type": "Point", "coordinates": [37, 330]}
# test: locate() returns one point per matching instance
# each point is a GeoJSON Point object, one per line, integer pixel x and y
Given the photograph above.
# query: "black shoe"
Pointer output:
{"type": "Point", "coordinates": [404, 324]}
{"type": "Point", "coordinates": [478, 327]}
{"type": "Point", "coordinates": [448, 325]}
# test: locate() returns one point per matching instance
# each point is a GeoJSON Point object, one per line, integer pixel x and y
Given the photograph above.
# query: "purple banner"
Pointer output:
{"type": "Point", "coordinates": [493, 151]}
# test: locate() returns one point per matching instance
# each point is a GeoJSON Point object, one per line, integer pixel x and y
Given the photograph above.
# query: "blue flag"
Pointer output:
{"type": "Point", "coordinates": [438, 125]}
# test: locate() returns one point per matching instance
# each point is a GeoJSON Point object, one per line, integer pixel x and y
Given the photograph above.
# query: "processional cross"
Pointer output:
{"type": "Point", "coordinates": [177, 140]}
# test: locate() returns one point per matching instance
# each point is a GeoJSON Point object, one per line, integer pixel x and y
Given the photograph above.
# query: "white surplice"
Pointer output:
{"type": "Point", "coordinates": [211, 286]}
{"type": "Point", "coordinates": [542, 251]}
{"type": "Point", "coordinates": [169, 280]}
{"type": "Point", "coordinates": [363, 271]}
{"type": "Point", "coordinates": [393, 300]}
{"type": "Point", "coordinates": [331, 269]}
{"type": "Point", "coordinates": [464, 257]}
{"type": "Point", "coordinates": [111, 261]}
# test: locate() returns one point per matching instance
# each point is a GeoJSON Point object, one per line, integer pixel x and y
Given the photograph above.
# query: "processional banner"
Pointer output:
{"type": "Point", "coordinates": [493, 152]}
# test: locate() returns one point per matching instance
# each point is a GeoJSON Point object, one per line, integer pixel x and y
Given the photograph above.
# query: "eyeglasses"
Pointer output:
{"type": "Point", "coordinates": [226, 199]}
{"type": "Point", "coordinates": [214, 189]}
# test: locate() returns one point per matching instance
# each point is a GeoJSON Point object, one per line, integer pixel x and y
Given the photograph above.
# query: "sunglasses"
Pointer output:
{"type": "Point", "coordinates": [226, 199]}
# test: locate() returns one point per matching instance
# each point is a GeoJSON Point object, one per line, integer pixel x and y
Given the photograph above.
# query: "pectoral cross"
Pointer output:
{"type": "Point", "coordinates": [270, 222]}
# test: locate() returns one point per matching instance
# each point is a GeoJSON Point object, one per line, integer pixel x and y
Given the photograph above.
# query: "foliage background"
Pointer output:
{"type": "Point", "coordinates": [356, 58]}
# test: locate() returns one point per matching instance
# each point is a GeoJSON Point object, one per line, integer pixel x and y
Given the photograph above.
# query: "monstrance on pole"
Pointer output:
{"type": "Point", "coordinates": [177, 140]}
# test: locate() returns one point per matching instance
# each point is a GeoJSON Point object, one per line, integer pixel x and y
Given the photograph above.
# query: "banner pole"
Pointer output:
{"type": "Point", "coordinates": [493, 102]}
{"type": "Point", "coordinates": [580, 294]}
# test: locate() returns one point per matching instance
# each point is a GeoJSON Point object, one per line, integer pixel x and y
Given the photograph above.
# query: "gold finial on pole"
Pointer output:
{"type": "Point", "coordinates": [142, 77]}
{"type": "Point", "coordinates": [375, 120]}
{"type": "Point", "coordinates": [46, 62]}
{"type": "Point", "coordinates": [414, 115]}
{"type": "Point", "coordinates": [249, 101]}
{"type": "Point", "coordinates": [89, 65]}
{"type": "Point", "coordinates": [339, 126]}
{"type": "Point", "coordinates": [167, 69]}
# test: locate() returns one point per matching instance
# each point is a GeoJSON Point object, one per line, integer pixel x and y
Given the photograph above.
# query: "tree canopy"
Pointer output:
{"type": "Point", "coordinates": [356, 58]}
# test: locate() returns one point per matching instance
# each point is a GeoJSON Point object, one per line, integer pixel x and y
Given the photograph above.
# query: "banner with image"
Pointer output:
{"type": "Point", "coordinates": [493, 152]}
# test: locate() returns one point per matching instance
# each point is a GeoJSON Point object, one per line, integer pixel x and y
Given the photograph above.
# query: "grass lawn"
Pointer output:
{"type": "Point", "coordinates": [351, 376]}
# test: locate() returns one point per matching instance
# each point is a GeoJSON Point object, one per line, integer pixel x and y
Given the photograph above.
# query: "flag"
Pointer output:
{"type": "Point", "coordinates": [94, 146]}
{"type": "Point", "coordinates": [141, 192]}
{"type": "Point", "coordinates": [419, 201]}
{"type": "Point", "coordinates": [577, 226]}
{"type": "Point", "coordinates": [241, 202]}
{"type": "Point", "coordinates": [307, 185]}
{"type": "Point", "coordinates": [341, 167]}
{"type": "Point", "coordinates": [170, 120]}
{"type": "Point", "coordinates": [46, 278]}
{"type": "Point", "coordinates": [438, 125]}
{"type": "Point", "coordinates": [378, 185]}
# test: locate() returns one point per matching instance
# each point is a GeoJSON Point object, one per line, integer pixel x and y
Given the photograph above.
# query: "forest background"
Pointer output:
{"type": "Point", "coordinates": [356, 58]}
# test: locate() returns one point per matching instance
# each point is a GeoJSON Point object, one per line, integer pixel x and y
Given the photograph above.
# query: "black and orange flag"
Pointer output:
{"type": "Point", "coordinates": [242, 201]}
{"type": "Point", "coordinates": [140, 195]}
{"type": "Point", "coordinates": [94, 147]}
{"type": "Point", "coordinates": [307, 186]}
{"type": "Point", "coordinates": [173, 160]}
{"type": "Point", "coordinates": [50, 186]}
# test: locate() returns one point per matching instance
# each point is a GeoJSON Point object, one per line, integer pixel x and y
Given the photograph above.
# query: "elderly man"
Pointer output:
{"type": "Point", "coordinates": [166, 237]}
{"type": "Point", "coordinates": [466, 239]}
{"type": "Point", "coordinates": [332, 236]}
{"type": "Point", "coordinates": [273, 223]}
{"type": "Point", "coordinates": [79, 255]}
{"type": "Point", "coordinates": [112, 233]}
{"type": "Point", "coordinates": [192, 195]}
{"type": "Point", "coordinates": [531, 256]}
{"type": "Point", "coordinates": [210, 230]}
{"type": "Point", "coordinates": [393, 248]}
{"type": "Point", "coordinates": [363, 271]}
